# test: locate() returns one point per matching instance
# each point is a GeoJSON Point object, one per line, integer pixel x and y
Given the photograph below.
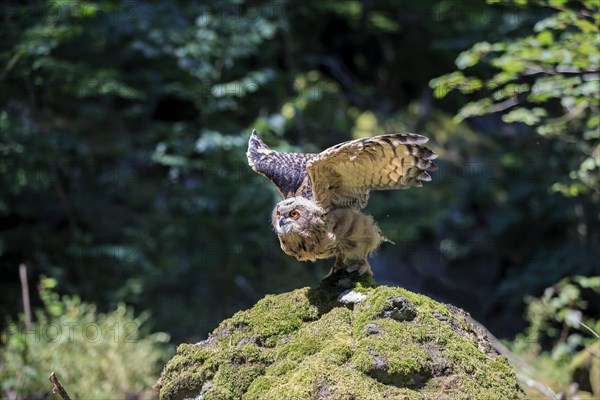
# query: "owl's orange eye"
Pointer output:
{"type": "Point", "coordinates": [294, 214]}
{"type": "Point", "coordinates": [278, 214]}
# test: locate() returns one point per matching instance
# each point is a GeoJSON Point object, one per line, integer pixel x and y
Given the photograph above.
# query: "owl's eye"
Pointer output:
{"type": "Point", "coordinates": [277, 214]}
{"type": "Point", "coordinates": [294, 214]}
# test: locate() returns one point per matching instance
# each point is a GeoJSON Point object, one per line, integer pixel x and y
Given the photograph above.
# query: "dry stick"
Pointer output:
{"type": "Point", "coordinates": [58, 387]}
{"type": "Point", "coordinates": [589, 329]}
{"type": "Point", "coordinates": [539, 386]}
{"type": "Point", "coordinates": [25, 293]}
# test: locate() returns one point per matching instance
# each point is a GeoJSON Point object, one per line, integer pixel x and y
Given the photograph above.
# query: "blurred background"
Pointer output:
{"type": "Point", "coordinates": [126, 196]}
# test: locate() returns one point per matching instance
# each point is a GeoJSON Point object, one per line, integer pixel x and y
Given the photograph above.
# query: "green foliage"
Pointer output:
{"type": "Point", "coordinates": [561, 314]}
{"type": "Point", "coordinates": [123, 129]}
{"type": "Point", "coordinates": [95, 355]}
{"type": "Point", "coordinates": [546, 85]}
{"type": "Point", "coordinates": [562, 320]}
{"type": "Point", "coordinates": [549, 79]}
{"type": "Point", "coordinates": [542, 199]}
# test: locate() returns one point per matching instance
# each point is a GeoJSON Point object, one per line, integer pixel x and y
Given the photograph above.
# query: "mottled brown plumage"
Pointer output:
{"type": "Point", "coordinates": [323, 193]}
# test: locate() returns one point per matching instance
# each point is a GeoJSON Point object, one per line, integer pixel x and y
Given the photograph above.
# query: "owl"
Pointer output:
{"type": "Point", "coordinates": [323, 193]}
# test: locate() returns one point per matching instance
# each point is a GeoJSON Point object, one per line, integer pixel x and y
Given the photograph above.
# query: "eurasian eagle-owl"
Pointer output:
{"type": "Point", "coordinates": [323, 193]}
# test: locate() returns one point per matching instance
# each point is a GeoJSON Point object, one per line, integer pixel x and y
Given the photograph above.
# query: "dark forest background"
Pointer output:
{"type": "Point", "coordinates": [125, 191]}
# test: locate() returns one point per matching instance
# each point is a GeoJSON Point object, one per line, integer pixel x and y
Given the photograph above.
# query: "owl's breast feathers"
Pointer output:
{"type": "Point", "coordinates": [286, 170]}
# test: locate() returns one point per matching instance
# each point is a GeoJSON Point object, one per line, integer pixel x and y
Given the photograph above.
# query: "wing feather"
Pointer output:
{"type": "Point", "coordinates": [343, 175]}
{"type": "Point", "coordinates": [287, 171]}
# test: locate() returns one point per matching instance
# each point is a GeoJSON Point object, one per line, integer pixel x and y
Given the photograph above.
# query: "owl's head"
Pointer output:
{"type": "Point", "coordinates": [295, 215]}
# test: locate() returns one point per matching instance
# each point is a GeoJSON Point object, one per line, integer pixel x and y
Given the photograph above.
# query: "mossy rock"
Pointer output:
{"type": "Point", "coordinates": [347, 339]}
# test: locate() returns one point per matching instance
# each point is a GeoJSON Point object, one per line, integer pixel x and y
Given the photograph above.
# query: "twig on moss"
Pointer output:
{"type": "Point", "coordinates": [58, 387]}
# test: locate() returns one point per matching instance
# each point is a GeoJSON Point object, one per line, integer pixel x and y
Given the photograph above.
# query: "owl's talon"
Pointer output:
{"type": "Point", "coordinates": [364, 268]}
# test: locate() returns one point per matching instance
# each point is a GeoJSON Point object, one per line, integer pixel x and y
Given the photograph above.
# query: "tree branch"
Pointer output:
{"type": "Point", "coordinates": [589, 329]}
{"type": "Point", "coordinates": [536, 69]}
{"type": "Point", "coordinates": [568, 116]}
{"type": "Point", "coordinates": [25, 294]}
{"type": "Point", "coordinates": [58, 387]}
{"type": "Point", "coordinates": [504, 105]}
{"type": "Point", "coordinates": [536, 385]}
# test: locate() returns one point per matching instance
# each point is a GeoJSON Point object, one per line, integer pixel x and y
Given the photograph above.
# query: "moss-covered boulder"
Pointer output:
{"type": "Point", "coordinates": [347, 339]}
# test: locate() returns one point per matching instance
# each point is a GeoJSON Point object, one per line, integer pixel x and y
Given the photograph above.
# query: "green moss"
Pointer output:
{"type": "Point", "coordinates": [236, 379]}
{"type": "Point", "coordinates": [392, 358]}
{"type": "Point", "coordinates": [276, 316]}
{"type": "Point", "coordinates": [185, 373]}
{"type": "Point", "coordinates": [331, 332]}
{"type": "Point", "coordinates": [305, 345]}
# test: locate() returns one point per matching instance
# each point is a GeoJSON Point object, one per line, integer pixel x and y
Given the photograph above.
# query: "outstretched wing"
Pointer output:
{"type": "Point", "coordinates": [286, 170]}
{"type": "Point", "coordinates": [342, 175]}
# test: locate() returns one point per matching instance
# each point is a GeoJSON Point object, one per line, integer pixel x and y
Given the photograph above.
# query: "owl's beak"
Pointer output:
{"type": "Point", "coordinates": [281, 222]}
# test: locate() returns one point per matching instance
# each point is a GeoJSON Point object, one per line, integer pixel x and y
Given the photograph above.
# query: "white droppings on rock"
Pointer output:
{"type": "Point", "coordinates": [350, 297]}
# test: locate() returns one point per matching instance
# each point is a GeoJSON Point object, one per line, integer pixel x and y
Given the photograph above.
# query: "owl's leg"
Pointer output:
{"type": "Point", "coordinates": [338, 266]}
{"type": "Point", "coordinates": [342, 263]}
